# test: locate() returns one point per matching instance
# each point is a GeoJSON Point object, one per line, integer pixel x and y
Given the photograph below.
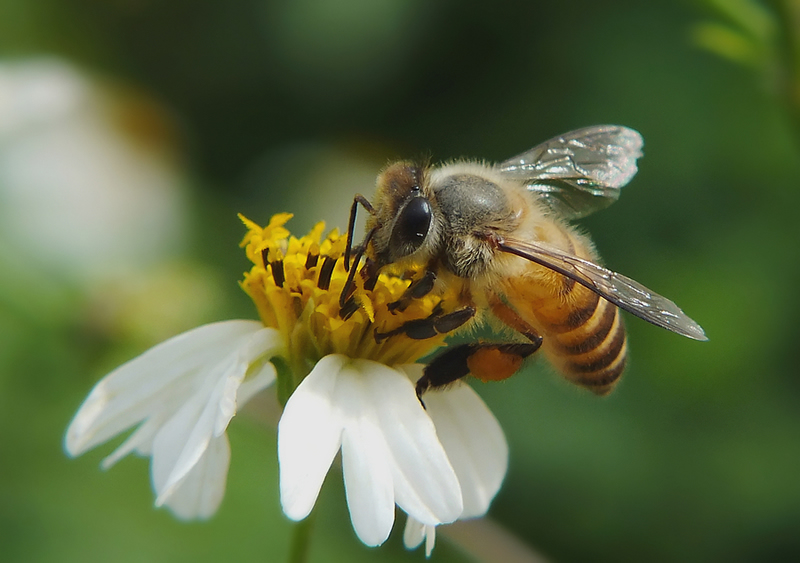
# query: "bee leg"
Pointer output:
{"type": "Point", "coordinates": [417, 290]}
{"type": "Point", "coordinates": [445, 368]}
{"type": "Point", "coordinates": [451, 321]}
{"type": "Point", "coordinates": [487, 362]}
{"type": "Point", "coordinates": [511, 319]}
{"type": "Point", "coordinates": [369, 273]}
{"type": "Point", "coordinates": [352, 225]}
{"type": "Point", "coordinates": [348, 309]}
{"type": "Point", "coordinates": [350, 286]}
{"type": "Point", "coordinates": [433, 325]}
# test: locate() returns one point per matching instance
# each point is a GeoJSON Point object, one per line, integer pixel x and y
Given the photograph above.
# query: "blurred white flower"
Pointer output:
{"type": "Point", "coordinates": [182, 394]}
{"type": "Point", "coordinates": [88, 180]}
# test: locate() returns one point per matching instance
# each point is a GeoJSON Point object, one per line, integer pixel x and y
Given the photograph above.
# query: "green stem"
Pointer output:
{"type": "Point", "coordinates": [788, 43]}
{"type": "Point", "coordinates": [285, 383]}
{"type": "Point", "coordinates": [301, 540]}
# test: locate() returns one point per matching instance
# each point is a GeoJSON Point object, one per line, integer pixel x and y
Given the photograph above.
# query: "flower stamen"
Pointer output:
{"type": "Point", "coordinates": [301, 287]}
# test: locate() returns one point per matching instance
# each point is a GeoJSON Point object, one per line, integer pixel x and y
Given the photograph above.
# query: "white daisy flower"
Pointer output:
{"type": "Point", "coordinates": [339, 389]}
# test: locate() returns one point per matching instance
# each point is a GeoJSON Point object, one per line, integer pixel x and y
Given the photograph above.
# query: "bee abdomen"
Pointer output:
{"type": "Point", "coordinates": [593, 351]}
{"type": "Point", "coordinates": [584, 337]}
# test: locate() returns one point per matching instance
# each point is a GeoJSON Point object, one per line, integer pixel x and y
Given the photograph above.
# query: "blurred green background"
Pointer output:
{"type": "Point", "coordinates": [132, 131]}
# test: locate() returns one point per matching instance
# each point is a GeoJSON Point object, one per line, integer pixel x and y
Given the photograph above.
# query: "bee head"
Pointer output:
{"type": "Point", "coordinates": [404, 218]}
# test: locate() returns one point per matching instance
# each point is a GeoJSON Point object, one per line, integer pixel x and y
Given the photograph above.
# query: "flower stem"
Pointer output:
{"type": "Point", "coordinates": [301, 539]}
{"type": "Point", "coordinates": [286, 382]}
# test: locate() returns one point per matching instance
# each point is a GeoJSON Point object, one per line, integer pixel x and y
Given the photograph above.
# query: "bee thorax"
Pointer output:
{"type": "Point", "coordinates": [469, 205]}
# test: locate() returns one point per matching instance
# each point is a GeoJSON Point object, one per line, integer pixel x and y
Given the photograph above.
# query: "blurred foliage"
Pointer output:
{"type": "Point", "coordinates": [765, 38]}
{"type": "Point", "coordinates": [294, 106]}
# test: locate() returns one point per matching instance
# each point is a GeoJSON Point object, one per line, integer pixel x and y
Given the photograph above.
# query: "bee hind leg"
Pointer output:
{"type": "Point", "coordinates": [511, 318]}
{"type": "Point", "coordinates": [487, 362]}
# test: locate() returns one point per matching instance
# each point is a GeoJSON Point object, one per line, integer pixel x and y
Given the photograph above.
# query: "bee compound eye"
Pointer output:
{"type": "Point", "coordinates": [412, 225]}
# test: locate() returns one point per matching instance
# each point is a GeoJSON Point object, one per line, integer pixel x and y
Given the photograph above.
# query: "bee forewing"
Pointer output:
{"type": "Point", "coordinates": [581, 171]}
{"type": "Point", "coordinates": [620, 290]}
{"type": "Point", "coordinates": [605, 154]}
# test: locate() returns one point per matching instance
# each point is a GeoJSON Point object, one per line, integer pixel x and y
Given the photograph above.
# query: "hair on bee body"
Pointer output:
{"type": "Point", "coordinates": [499, 238]}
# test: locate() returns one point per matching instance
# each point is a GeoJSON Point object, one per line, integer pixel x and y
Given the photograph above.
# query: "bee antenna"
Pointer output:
{"type": "Point", "coordinates": [348, 285]}
{"type": "Point", "coordinates": [352, 225]}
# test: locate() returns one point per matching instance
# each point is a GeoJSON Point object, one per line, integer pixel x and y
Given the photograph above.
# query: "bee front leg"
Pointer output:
{"type": "Point", "coordinates": [487, 362]}
{"type": "Point", "coordinates": [417, 290]}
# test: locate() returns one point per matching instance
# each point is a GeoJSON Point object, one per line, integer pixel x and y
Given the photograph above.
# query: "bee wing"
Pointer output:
{"type": "Point", "coordinates": [579, 172]}
{"type": "Point", "coordinates": [620, 290]}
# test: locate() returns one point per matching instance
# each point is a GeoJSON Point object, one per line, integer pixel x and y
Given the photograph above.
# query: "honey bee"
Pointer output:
{"type": "Point", "coordinates": [499, 235]}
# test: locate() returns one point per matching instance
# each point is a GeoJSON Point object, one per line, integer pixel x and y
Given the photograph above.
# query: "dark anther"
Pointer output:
{"type": "Point", "coordinates": [324, 281]}
{"type": "Point", "coordinates": [311, 260]}
{"type": "Point", "coordinates": [265, 256]}
{"type": "Point", "coordinates": [369, 273]}
{"type": "Point", "coordinates": [278, 275]}
{"type": "Point", "coordinates": [381, 336]}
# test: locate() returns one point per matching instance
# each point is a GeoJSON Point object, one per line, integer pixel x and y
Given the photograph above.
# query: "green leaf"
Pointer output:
{"type": "Point", "coordinates": [728, 43]}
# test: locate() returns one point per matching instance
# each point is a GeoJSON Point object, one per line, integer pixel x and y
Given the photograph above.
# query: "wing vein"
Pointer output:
{"type": "Point", "coordinates": [620, 290]}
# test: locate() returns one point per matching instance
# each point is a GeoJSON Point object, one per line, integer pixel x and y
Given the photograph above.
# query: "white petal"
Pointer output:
{"type": "Point", "coordinates": [205, 415]}
{"type": "Point", "coordinates": [366, 459]}
{"type": "Point", "coordinates": [474, 442]}
{"type": "Point", "coordinates": [426, 487]}
{"type": "Point", "coordinates": [133, 391]}
{"type": "Point", "coordinates": [184, 438]}
{"type": "Point", "coordinates": [141, 441]}
{"type": "Point", "coordinates": [390, 451]}
{"type": "Point", "coordinates": [260, 380]}
{"type": "Point", "coordinates": [309, 435]}
{"type": "Point", "coordinates": [200, 493]}
{"type": "Point", "coordinates": [415, 532]}
{"type": "Point", "coordinates": [368, 483]}
{"type": "Point", "coordinates": [265, 342]}
{"type": "Point", "coordinates": [430, 540]}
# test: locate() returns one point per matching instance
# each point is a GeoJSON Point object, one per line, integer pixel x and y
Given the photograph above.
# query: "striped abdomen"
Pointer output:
{"type": "Point", "coordinates": [584, 336]}
{"type": "Point", "coordinates": [587, 344]}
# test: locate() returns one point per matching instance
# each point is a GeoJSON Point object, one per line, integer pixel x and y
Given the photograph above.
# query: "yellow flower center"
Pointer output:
{"type": "Point", "coordinates": [296, 283]}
